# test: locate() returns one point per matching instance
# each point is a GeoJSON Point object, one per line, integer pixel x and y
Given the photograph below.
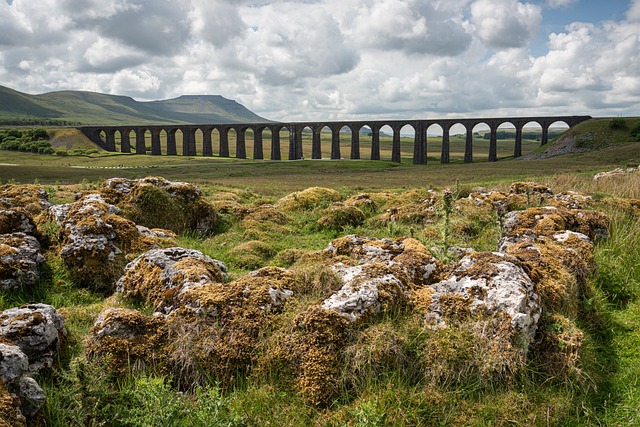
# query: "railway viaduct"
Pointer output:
{"type": "Point", "coordinates": [105, 136]}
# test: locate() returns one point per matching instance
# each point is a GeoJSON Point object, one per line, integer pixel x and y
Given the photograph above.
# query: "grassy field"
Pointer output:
{"type": "Point", "coordinates": [604, 393]}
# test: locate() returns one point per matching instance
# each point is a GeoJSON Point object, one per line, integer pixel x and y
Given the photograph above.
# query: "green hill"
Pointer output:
{"type": "Point", "coordinates": [87, 108]}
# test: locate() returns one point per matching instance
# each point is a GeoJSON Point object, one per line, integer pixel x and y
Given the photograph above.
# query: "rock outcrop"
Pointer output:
{"type": "Point", "coordinates": [30, 337]}
{"type": "Point", "coordinates": [96, 240]}
{"type": "Point", "coordinates": [158, 203]}
{"type": "Point", "coordinates": [20, 260]}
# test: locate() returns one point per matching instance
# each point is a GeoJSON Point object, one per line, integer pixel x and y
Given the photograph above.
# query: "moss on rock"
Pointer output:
{"type": "Point", "coordinates": [309, 198]}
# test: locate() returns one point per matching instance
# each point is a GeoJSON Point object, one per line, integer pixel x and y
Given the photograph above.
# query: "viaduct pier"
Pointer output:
{"type": "Point", "coordinates": [105, 137]}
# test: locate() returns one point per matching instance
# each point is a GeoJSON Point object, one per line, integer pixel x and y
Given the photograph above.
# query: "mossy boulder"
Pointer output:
{"type": "Point", "coordinates": [20, 261]}
{"type": "Point", "coordinates": [126, 340]}
{"type": "Point", "coordinates": [488, 283]}
{"type": "Point", "coordinates": [157, 276]}
{"type": "Point", "coordinates": [558, 265]}
{"type": "Point", "coordinates": [308, 199]}
{"type": "Point", "coordinates": [158, 203]}
{"type": "Point", "coordinates": [339, 216]}
{"type": "Point", "coordinates": [96, 241]}
{"type": "Point", "coordinates": [30, 337]}
{"type": "Point", "coordinates": [32, 198]}
{"type": "Point", "coordinates": [529, 187]}
{"type": "Point", "coordinates": [551, 219]}
{"type": "Point", "coordinates": [407, 258]}
{"type": "Point", "coordinates": [368, 289]}
{"type": "Point", "coordinates": [38, 329]}
{"type": "Point", "coordinates": [17, 220]}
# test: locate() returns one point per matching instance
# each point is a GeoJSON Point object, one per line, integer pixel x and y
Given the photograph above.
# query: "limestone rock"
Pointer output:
{"type": "Point", "coordinates": [407, 258]}
{"type": "Point", "coordinates": [13, 363]}
{"type": "Point", "coordinates": [127, 339]}
{"type": "Point", "coordinates": [20, 260]}
{"type": "Point", "coordinates": [156, 202]}
{"type": "Point", "coordinates": [96, 239]}
{"type": "Point", "coordinates": [34, 331]}
{"type": "Point", "coordinates": [31, 395]}
{"type": "Point", "coordinates": [489, 283]}
{"type": "Point", "coordinates": [159, 274]}
{"type": "Point", "coordinates": [16, 220]}
{"type": "Point", "coordinates": [367, 290]}
{"type": "Point", "coordinates": [30, 197]}
{"type": "Point", "coordinates": [548, 220]}
{"type": "Point", "coordinates": [37, 329]}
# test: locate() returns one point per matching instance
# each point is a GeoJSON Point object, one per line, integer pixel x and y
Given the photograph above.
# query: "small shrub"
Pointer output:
{"type": "Point", "coordinates": [617, 123]}
{"type": "Point", "coordinates": [635, 132]}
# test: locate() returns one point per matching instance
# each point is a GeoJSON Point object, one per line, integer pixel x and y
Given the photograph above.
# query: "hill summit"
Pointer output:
{"type": "Point", "coordinates": [92, 108]}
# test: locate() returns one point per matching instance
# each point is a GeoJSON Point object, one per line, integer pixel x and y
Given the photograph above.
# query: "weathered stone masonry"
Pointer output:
{"type": "Point", "coordinates": [108, 142]}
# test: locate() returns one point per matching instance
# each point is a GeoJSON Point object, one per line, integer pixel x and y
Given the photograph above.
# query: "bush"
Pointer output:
{"type": "Point", "coordinates": [618, 123]}
{"type": "Point", "coordinates": [635, 132]}
{"type": "Point", "coordinates": [33, 140]}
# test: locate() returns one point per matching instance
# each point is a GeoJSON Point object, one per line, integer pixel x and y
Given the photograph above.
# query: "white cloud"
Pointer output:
{"type": "Point", "coordinates": [555, 4]}
{"type": "Point", "coordinates": [328, 59]}
{"type": "Point", "coordinates": [410, 25]}
{"type": "Point", "coordinates": [504, 24]}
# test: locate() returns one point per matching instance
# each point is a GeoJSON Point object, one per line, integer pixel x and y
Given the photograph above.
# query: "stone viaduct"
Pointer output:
{"type": "Point", "coordinates": [105, 136]}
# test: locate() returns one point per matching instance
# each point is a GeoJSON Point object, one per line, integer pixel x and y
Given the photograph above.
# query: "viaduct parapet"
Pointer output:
{"type": "Point", "coordinates": [105, 137]}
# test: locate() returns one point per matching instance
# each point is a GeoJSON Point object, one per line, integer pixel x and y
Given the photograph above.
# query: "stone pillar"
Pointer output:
{"type": "Point", "coordinates": [299, 151]}
{"type": "Point", "coordinates": [420, 146]}
{"type": "Point", "coordinates": [207, 145]}
{"type": "Point", "coordinates": [446, 147]}
{"type": "Point", "coordinates": [493, 144]}
{"type": "Point", "coordinates": [468, 147]}
{"type": "Point", "coordinates": [316, 144]}
{"type": "Point", "coordinates": [545, 134]}
{"type": "Point", "coordinates": [224, 142]}
{"type": "Point", "coordinates": [395, 148]}
{"type": "Point", "coordinates": [258, 150]}
{"type": "Point", "coordinates": [110, 144]}
{"type": "Point", "coordinates": [141, 141]}
{"type": "Point", "coordinates": [355, 143]}
{"type": "Point", "coordinates": [375, 143]}
{"type": "Point", "coordinates": [275, 143]}
{"type": "Point", "coordinates": [156, 149]}
{"type": "Point", "coordinates": [294, 153]}
{"type": "Point", "coordinates": [517, 150]}
{"type": "Point", "coordinates": [335, 142]}
{"type": "Point", "coordinates": [125, 141]}
{"type": "Point", "coordinates": [241, 149]}
{"type": "Point", "coordinates": [185, 141]}
{"type": "Point", "coordinates": [172, 150]}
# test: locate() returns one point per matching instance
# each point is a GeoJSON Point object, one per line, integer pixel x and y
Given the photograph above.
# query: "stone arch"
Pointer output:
{"type": "Point", "coordinates": [553, 130]}
{"type": "Point", "coordinates": [215, 141]}
{"type": "Point", "coordinates": [505, 136]}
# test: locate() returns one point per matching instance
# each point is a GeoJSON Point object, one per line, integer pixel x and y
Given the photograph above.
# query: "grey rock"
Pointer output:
{"type": "Point", "coordinates": [360, 294]}
{"type": "Point", "coordinates": [505, 287]}
{"type": "Point", "coordinates": [13, 363]}
{"type": "Point", "coordinates": [171, 277]}
{"type": "Point", "coordinates": [31, 395]}
{"type": "Point", "coordinates": [21, 261]}
{"type": "Point", "coordinates": [16, 221]}
{"type": "Point", "coordinates": [37, 330]}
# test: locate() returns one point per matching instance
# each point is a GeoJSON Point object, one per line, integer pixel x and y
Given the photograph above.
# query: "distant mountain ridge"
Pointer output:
{"type": "Point", "coordinates": [92, 108]}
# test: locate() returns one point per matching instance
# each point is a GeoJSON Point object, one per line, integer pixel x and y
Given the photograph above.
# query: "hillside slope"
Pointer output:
{"type": "Point", "coordinates": [97, 108]}
{"type": "Point", "coordinates": [589, 135]}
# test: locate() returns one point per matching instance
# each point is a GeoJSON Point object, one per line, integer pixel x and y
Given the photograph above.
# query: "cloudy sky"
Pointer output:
{"type": "Point", "coordinates": [335, 59]}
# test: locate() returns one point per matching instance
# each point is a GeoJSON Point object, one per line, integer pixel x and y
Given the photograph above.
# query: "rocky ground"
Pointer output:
{"type": "Point", "coordinates": [311, 328]}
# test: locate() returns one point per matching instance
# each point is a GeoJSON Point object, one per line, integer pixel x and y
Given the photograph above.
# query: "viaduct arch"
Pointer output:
{"type": "Point", "coordinates": [105, 137]}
